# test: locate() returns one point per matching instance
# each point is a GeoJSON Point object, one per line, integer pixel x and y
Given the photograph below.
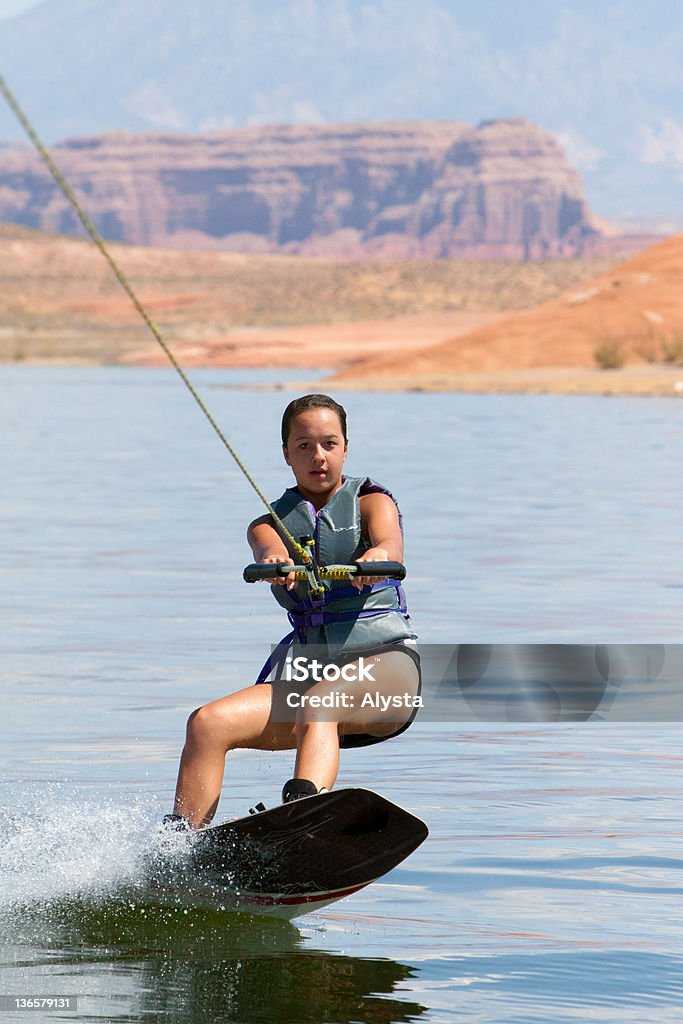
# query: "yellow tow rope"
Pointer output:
{"type": "Point", "coordinates": [54, 170]}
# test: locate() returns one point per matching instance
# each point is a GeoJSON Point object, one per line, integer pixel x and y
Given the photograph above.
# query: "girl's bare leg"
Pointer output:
{"type": "Point", "coordinates": [242, 719]}
{"type": "Point", "coordinates": [317, 755]}
{"type": "Point", "coordinates": [245, 719]}
{"type": "Point", "coordinates": [317, 737]}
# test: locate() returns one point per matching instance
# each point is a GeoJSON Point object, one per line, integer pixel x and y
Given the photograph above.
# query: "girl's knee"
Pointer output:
{"type": "Point", "coordinates": [192, 717]}
{"type": "Point", "coordinates": [238, 720]}
{"type": "Point", "coordinates": [203, 722]}
{"type": "Point", "coordinates": [307, 725]}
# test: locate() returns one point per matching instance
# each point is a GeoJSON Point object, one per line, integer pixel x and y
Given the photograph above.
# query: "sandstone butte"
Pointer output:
{"type": "Point", "coordinates": [503, 190]}
{"type": "Point", "coordinates": [636, 307]}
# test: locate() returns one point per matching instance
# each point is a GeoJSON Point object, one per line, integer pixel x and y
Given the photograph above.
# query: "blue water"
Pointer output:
{"type": "Point", "coordinates": [548, 890]}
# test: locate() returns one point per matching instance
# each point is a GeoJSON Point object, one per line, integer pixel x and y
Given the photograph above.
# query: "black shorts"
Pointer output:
{"type": "Point", "coordinates": [365, 739]}
{"type": "Point", "coordinates": [348, 740]}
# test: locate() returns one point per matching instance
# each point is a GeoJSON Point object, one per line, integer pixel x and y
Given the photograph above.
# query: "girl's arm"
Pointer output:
{"type": "Point", "coordinates": [268, 546]}
{"type": "Point", "coordinates": [379, 522]}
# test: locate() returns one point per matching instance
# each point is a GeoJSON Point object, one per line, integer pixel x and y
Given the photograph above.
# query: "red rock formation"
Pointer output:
{"type": "Point", "coordinates": [503, 190]}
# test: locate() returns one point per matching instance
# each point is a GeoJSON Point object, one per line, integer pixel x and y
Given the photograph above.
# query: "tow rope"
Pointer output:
{"type": "Point", "coordinates": [303, 552]}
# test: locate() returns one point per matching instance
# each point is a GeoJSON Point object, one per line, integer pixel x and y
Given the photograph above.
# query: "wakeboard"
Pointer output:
{"type": "Point", "coordinates": [303, 855]}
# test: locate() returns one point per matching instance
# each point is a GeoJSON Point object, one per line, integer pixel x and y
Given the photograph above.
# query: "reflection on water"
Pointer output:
{"type": "Point", "coordinates": [76, 903]}
{"type": "Point", "coordinates": [150, 962]}
{"type": "Point", "coordinates": [549, 888]}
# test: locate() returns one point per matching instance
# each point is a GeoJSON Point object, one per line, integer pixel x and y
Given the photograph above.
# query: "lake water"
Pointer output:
{"type": "Point", "coordinates": [549, 888]}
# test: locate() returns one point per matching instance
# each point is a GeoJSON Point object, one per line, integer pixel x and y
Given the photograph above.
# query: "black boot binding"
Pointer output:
{"type": "Point", "coordinates": [295, 789]}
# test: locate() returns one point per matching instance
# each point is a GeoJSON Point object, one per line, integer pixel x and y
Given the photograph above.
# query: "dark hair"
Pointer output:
{"type": "Point", "coordinates": [311, 402]}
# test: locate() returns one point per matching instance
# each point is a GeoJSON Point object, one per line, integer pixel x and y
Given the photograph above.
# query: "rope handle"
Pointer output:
{"type": "Point", "coordinates": [382, 570]}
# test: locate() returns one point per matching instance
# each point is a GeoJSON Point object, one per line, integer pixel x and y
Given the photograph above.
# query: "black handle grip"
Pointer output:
{"type": "Point", "coordinates": [382, 570]}
{"type": "Point", "coordinates": [385, 570]}
{"type": "Point", "coordinates": [266, 571]}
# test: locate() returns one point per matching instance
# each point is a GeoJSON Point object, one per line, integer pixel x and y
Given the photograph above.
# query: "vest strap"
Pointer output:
{"type": "Point", "coordinates": [277, 659]}
{"type": "Point", "coordinates": [313, 617]}
{"type": "Point", "coordinates": [313, 614]}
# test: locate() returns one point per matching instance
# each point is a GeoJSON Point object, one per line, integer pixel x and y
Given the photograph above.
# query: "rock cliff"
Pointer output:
{"type": "Point", "coordinates": [503, 190]}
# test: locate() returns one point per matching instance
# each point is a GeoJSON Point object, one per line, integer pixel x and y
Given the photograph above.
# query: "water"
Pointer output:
{"type": "Point", "coordinates": [549, 888]}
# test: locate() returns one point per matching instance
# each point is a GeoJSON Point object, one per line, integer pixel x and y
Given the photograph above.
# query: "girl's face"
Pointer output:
{"type": "Point", "coordinates": [316, 450]}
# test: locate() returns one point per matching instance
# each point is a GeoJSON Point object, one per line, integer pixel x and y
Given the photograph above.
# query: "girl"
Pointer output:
{"type": "Point", "coordinates": [362, 627]}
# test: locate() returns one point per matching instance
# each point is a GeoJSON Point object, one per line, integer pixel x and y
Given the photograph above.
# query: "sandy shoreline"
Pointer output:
{"type": "Point", "coordinates": [334, 345]}
{"type": "Point", "coordinates": [645, 381]}
{"type": "Point", "coordinates": [636, 381]}
{"type": "Point", "coordinates": [339, 350]}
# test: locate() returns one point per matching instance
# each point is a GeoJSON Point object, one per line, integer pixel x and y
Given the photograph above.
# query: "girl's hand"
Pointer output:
{"type": "Point", "coordinates": [288, 581]}
{"type": "Point", "coordinates": [371, 555]}
{"type": "Point", "coordinates": [267, 547]}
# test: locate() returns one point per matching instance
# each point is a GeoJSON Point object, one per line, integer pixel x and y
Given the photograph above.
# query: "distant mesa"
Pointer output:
{"type": "Point", "coordinates": [422, 189]}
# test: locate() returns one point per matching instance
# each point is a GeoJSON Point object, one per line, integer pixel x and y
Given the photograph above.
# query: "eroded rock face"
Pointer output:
{"type": "Point", "coordinates": [503, 190]}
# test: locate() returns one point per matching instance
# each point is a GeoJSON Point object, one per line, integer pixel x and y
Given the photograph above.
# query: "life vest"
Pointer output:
{"type": "Point", "coordinates": [342, 619]}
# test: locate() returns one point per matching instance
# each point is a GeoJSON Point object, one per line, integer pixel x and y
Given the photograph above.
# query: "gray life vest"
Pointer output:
{"type": "Point", "coordinates": [343, 619]}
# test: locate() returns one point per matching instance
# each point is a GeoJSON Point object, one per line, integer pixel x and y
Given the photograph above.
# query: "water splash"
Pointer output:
{"type": "Point", "coordinates": [60, 844]}
{"type": "Point", "coordinates": [71, 850]}
{"type": "Point", "coordinates": [80, 874]}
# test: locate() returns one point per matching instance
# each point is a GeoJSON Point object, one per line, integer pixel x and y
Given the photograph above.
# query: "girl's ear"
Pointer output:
{"type": "Point", "coordinates": [286, 454]}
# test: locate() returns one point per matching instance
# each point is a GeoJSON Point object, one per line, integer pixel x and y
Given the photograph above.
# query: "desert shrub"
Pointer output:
{"type": "Point", "coordinates": [648, 345]}
{"type": "Point", "coordinates": [672, 348]}
{"type": "Point", "coordinates": [609, 352]}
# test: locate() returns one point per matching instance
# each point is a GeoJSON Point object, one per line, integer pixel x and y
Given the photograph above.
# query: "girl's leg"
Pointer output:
{"type": "Point", "coordinates": [242, 719]}
{"type": "Point", "coordinates": [395, 674]}
{"type": "Point", "coordinates": [317, 754]}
